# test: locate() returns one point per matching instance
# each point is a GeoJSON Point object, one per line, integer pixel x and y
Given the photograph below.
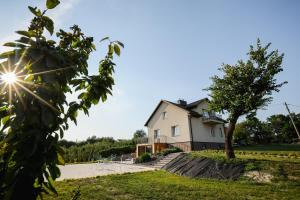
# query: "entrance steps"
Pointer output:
{"type": "Point", "coordinates": [162, 162]}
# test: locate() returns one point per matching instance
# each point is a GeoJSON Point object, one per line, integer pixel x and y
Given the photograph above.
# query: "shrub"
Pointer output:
{"type": "Point", "coordinates": [146, 157]}
{"type": "Point", "coordinates": [171, 150]}
{"type": "Point", "coordinates": [117, 151]}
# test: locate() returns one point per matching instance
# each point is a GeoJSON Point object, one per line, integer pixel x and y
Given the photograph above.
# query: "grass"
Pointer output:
{"type": "Point", "coordinates": [280, 153]}
{"type": "Point", "coordinates": [282, 161]}
{"type": "Point", "coordinates": [163, 185]}
{"type": "Point", "coordinates": [272, 148]}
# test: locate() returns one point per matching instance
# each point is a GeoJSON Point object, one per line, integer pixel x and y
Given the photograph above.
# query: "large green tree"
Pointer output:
{"type": "Point", "coordinates": [283, 128]}
{"type": "Point", "coordinates": [253, 131]}
{"type": "Point", "coordinates": [36, 76]}
{"type": "Point", "coordinates": [245, 87]}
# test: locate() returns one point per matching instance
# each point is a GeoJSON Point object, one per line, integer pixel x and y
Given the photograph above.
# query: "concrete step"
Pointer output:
{"type": "Point", "coordinates": [166, 160]}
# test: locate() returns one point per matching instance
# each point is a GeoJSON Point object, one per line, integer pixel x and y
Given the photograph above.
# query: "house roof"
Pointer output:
{"type": "Point", "coordinates": [186, 108]}
{"type": "Point", "coordinates": [196, 103]}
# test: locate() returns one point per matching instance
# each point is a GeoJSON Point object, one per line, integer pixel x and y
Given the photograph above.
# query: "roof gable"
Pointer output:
{"type": "Point", "coordinates": [185, 108]}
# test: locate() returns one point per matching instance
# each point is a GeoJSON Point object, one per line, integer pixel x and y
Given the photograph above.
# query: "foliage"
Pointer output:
{"type": "Point", "coordinates": [145, 157]}
{"type": "Point", "coordinates": [245, 87]}
{"type": "Point", "coordinates": [164, 185]}
{"type": "Point", "coordinates": [34, 112]}
{"type": "Point", "coordinates": [277, 128]}
{"type": "Point", "coordinates": [246, 155]}
{"type": "Point", "coordinates": [139, 134]}
{"type": "Point", "coordinates": [282, 128]}
{"type": "Point", "coordinates": [96, 148]}
{"type": "Point", "coordinates": [171, 150]}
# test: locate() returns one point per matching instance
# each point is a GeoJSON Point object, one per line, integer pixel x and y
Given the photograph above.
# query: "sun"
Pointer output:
{"type": "Point", "coordinates": [9, 77]}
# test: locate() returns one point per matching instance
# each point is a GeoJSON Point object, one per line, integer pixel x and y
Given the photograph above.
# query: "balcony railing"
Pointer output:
{"type": "Point", "coordinates": [143, 140]}
{"type": "Point", "coordinates": [212, 118]}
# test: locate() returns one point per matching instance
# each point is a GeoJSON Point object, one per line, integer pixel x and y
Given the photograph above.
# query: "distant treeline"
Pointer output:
{"type": "Point", "coordinates": [276, 129]}
{"type": "Point", "coordinates": [95, 148]}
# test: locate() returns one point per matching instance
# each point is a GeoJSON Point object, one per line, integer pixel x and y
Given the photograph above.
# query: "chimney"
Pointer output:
{"type": "Point", "coordinates": [181, 102]}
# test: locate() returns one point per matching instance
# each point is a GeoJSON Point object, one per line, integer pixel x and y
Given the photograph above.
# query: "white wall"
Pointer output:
{"type": "Point", "coordinates": [175, 117]}
{"type": "Point", "coordinates": [202, 131]}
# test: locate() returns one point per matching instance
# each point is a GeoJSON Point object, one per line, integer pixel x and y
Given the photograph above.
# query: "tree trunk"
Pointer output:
{"type": "Point", "coordinates": [228, 139]}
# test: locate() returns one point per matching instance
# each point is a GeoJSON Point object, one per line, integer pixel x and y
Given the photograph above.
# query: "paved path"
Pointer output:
{"type": "Point", "coordinates": [76, 171]}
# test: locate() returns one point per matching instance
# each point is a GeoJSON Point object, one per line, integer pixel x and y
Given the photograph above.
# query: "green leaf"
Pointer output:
{"type": "Point", "coordinates": [120, 43]}
{"type": "Point", "coordinates": [25, 40]}
{"type": "Point", "coordinates": [49, 24]}
{"type": "Point", "coordinates": [52, 3]}
{"type": "Point", "coordinates": [60, 159]}
{"type": "Point", "coordinates": [110, 49]}
{"type": "Point", "coordinates": [5, 119]}
{"type": "Point", "coordinates": [6, 54]}
{"type": "Point", "coordinates": [106, 38]}
{"type": "Point", "coordinates": [29, 77]}
{"type": "Point", "coordinates": [35, 11]}
{"type": "Point", "coordinates": [13, 44]}
{"type": "Point", "coordinates": [117, 50]}
{"type": "Point", "coordinates": [24, 33]}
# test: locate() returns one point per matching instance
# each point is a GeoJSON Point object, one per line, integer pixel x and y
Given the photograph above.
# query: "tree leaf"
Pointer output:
{"type": "Point", "coordinates": [106, 38]}
{"type": "Point", "coordinates": [52, 3]}
{"type": "Point", "coordinates": [35, 11]}
{"type": "Point", "coordinates": [24, 33]}
{"type": "Point", "coordinates": [120, 43]}
{"type": "Point", "coordinates": [49, 25]}
{"type": "Point", "coordinates": [60, 159]}
{"type": "Point", "coordinates": [6, 54]}
{"type": "Point", "coordinates": [13, 44]}
{"type": "Point", "coordinates": [117, 49]}
{"type": "Point", "coordinates": [5, 119]}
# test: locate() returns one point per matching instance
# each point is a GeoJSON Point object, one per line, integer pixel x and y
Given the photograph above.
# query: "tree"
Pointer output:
{"type": "Point", "coordinates": [34, 111]}
{"type": "Point", "coordinates": [282, 127]}
{"type": "Point", "coordinates": [139, 134]}
{"type": "Point", "coordinates": [240, 134]}
{"type": "Point", "coordinates": [245, 87]}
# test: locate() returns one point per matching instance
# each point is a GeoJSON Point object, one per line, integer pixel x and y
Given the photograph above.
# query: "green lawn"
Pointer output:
{"type": "Point", "coordinates": [163, 185]}
{"type": "Point", "coordinates": [278, 152]}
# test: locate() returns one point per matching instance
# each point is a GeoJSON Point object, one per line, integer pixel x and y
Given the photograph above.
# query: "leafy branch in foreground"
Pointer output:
{"type": "Point", "coordinates": [34, 111]}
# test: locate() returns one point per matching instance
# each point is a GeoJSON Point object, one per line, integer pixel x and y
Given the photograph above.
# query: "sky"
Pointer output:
{"type": "Point", "coordinates": [172, 48]}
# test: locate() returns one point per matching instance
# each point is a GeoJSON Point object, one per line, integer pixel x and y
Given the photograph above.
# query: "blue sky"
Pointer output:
{"type": "Point", "coordinates": [172, 47]}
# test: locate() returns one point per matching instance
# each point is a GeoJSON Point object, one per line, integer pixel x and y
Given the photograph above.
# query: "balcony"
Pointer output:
{"type": "Point", "coordinates": [212, 118]}
{"type": "Point", "coordinates": [143, 140]}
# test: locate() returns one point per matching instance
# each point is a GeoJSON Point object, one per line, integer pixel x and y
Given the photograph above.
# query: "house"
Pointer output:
{"type": "Point", "coordinates": [186, 126]}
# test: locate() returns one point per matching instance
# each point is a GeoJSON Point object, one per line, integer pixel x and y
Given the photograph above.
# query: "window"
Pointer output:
{"type": "Point", "coordinates": [221, 132]}
{"type": "Point", "coordinates": [164, 115]}
{"type": "Point", "coordinates": [156, 133]}
{"type": "Point", "coordinates": [175, 131]}
{"type": "Point", "coordinates": [205, 113]}
{"type": "Point", "coordinates": [212, 132]}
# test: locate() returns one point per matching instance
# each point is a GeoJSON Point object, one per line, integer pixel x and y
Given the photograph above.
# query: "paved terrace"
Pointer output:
{"type": "Point", "coordinates": [76, 171]}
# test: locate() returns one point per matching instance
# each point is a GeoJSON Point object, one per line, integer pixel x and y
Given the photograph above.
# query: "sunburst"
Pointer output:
{"type": "Point", "coordinates": [13, 80]}
{"type": "Point", "coordinates": [8, 78]}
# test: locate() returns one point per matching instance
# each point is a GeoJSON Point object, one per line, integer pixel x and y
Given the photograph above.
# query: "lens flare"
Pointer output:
{"type": "Point", "coordinates": [9, 78]}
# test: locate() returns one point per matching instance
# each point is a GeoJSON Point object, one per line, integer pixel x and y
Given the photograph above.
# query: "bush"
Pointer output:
{"type": "Point", "coordinates": [117, 151]}
{"type": "Point", "coordinates": [146, 157]}
{"type": "Point", "coordinates": [171, 150]}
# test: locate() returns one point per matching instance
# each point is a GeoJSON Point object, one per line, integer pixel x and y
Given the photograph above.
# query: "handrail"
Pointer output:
{"type": "Point", "coordinates": [161, 139]}
{"type": "Point", "coordinates": [170, 140]}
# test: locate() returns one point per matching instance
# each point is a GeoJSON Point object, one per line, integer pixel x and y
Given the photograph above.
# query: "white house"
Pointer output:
{"type": "Point", "coordinates": [187, 126]}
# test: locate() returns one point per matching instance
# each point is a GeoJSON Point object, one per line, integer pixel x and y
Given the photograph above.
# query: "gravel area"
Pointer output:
{"type": "Point", "coordinates": [76, 171]}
